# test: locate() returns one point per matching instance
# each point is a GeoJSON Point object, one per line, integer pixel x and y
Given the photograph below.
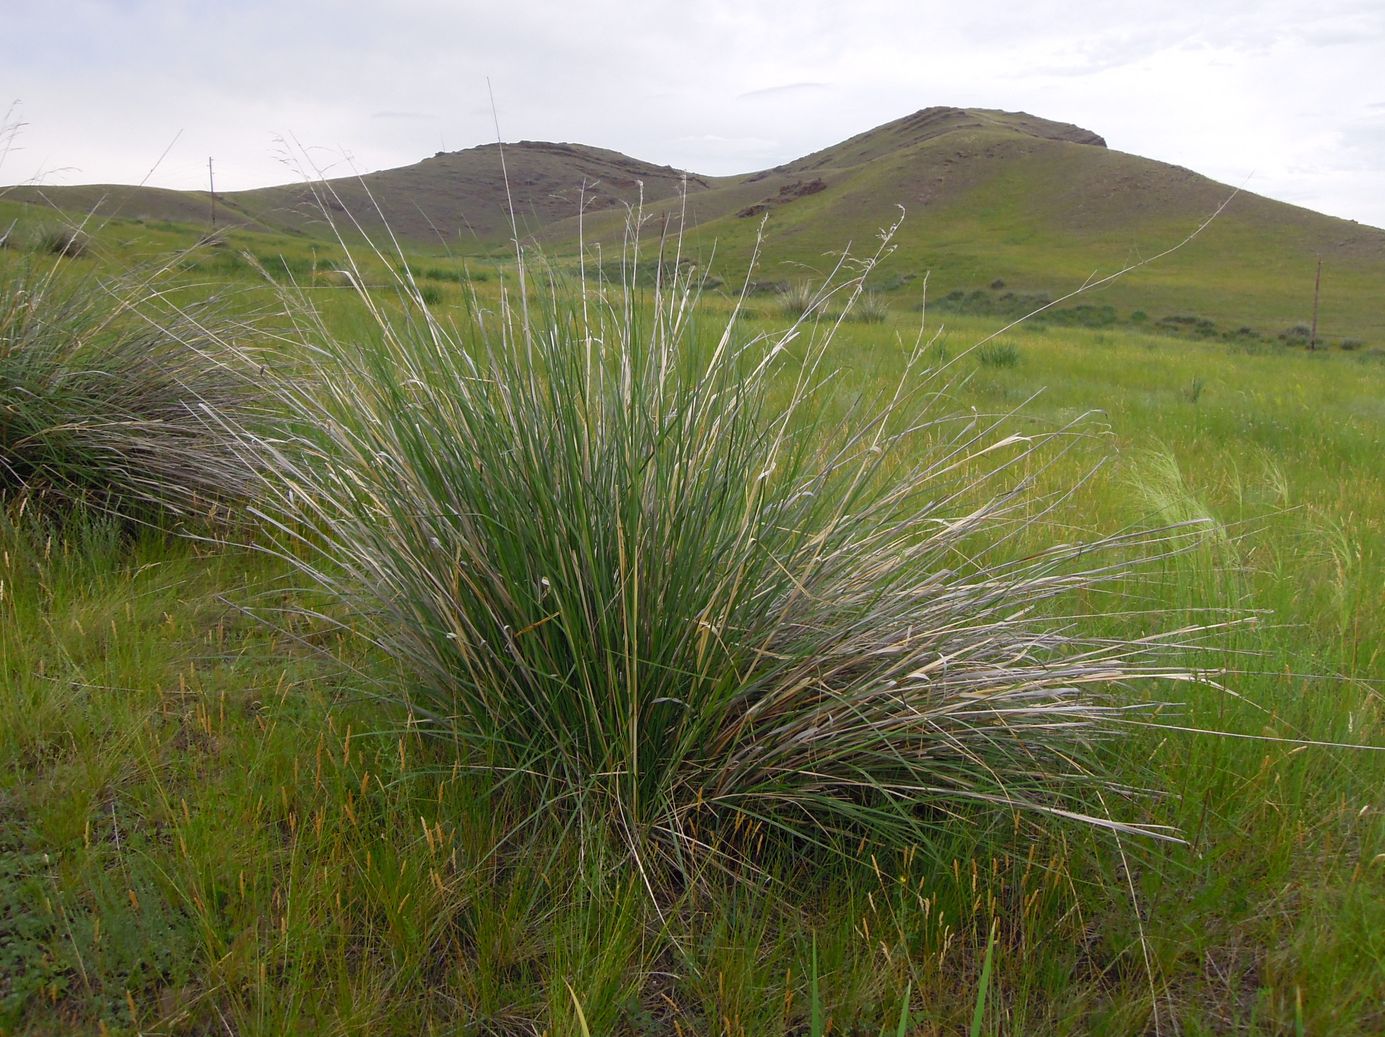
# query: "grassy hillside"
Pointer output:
{"type": "Point", "coordinates": [454, 199]}
{"type": "Point", "coordinates": [992, 197]}
{"type": "Point", "coordinates": [1044, 217]}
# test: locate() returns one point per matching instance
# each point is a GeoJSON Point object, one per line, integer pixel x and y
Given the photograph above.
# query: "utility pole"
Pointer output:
{"type": "Point", "coordinates": [1317, 286]}
{"type": "Point", "coordinates": [211, 184]}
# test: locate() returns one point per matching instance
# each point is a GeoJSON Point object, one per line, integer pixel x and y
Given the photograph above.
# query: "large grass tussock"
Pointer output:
{"type": "Point", "coordinates": [631, 564]}
{"type": "Point", "coordinates": [115, 397]}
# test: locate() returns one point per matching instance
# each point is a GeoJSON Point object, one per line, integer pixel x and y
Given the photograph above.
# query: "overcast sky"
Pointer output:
{"type": "Point", "coordinates": [1284, 97]}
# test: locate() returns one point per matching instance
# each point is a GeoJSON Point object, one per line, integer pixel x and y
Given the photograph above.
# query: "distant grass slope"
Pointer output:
{"type": "Point", "coordinates": [1042, 207]}
{"type": "Point", "coordinates": [985, 202]}
{"type": "Point", "coordinates": [458, 199]}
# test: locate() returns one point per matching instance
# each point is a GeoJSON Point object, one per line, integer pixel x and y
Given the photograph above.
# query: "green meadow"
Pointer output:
{"type": "Point", "coordinates": [220, 814]}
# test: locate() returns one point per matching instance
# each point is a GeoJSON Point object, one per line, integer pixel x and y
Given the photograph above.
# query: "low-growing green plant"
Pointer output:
{"type": "Point", "coordinates": [799, 299]}
{"type": "Point", "coordinates": [114, 396]}
{"type": "Point", "coordinates": [291, 269]}
{"type": "Point", "coordinates": [1187, 324]}
{"type": "Point", "coordinates": [70, 242]}
{"type": "Point", "coordinates": [870, 308]}
{"type": "Point", "coordinates": [998, 354]}
{"type": "Point", "coordinates": [619, 574]}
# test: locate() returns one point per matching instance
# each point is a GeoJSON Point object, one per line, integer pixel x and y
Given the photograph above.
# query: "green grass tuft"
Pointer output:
{"type": "Point", "coordinates": [113, 396]}
{"type": "Point", "coordinates": [870, 308]}
{"type": "Point", "coordinates": [998, 354]}
{"type": "Point", "coordinates": [68, 242]}
{"type": "Point", "coordinates": [619, 575]}
{"type": "Point", "coordinates": [798, 300]}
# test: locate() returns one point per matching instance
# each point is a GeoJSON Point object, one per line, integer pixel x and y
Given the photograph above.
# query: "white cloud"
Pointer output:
{"type": "Point", "coordinates": [782, 90]}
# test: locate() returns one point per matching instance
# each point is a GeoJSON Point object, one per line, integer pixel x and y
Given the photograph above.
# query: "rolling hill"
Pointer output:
{"type": "Point", "coordinates": [1003, 210]}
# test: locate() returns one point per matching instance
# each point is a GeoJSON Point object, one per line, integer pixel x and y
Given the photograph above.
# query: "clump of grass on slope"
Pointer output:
{"type": "Point", "coordinates": [70, 242]}
{"type": "Point", "coordinates": [113, 396]}
{"type": "Point", "coordinates": [871, 308]}
{"type": "Point", "coordinates": [619, 573]}
{"type": "Point", "coordinates": [998, 354]}
{"type": "Point", "coordinates": [798, 299]}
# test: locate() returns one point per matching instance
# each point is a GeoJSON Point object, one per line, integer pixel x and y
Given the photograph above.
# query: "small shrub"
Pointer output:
{"type": "Point", "coordinates": [1187, 324]}
{"type": "Point", "coordinates": [1351, 344]}
{"type": "Point", "coordinates": [1005, 305]}
{"type": "Point", "coordinates": [1083, 316]}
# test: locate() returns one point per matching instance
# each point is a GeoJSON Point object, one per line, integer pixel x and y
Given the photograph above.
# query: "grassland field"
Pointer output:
{"type": "Point", "coordinates": [208, 826]}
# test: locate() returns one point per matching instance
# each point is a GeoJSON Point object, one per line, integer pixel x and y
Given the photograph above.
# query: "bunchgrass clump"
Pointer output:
{"type": "Point", "coordinates": [636, 569]}
{"type": "Point", "coordinates": [68, 242]}
{"type": "Point", "coordinates": [870, 308]}
{"type": "Point", "coordinates": [998, 354]}
{"type": "Point", "coordinates": [799, 299]}
{"type": "Point", "coordinates": [114, 397]}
